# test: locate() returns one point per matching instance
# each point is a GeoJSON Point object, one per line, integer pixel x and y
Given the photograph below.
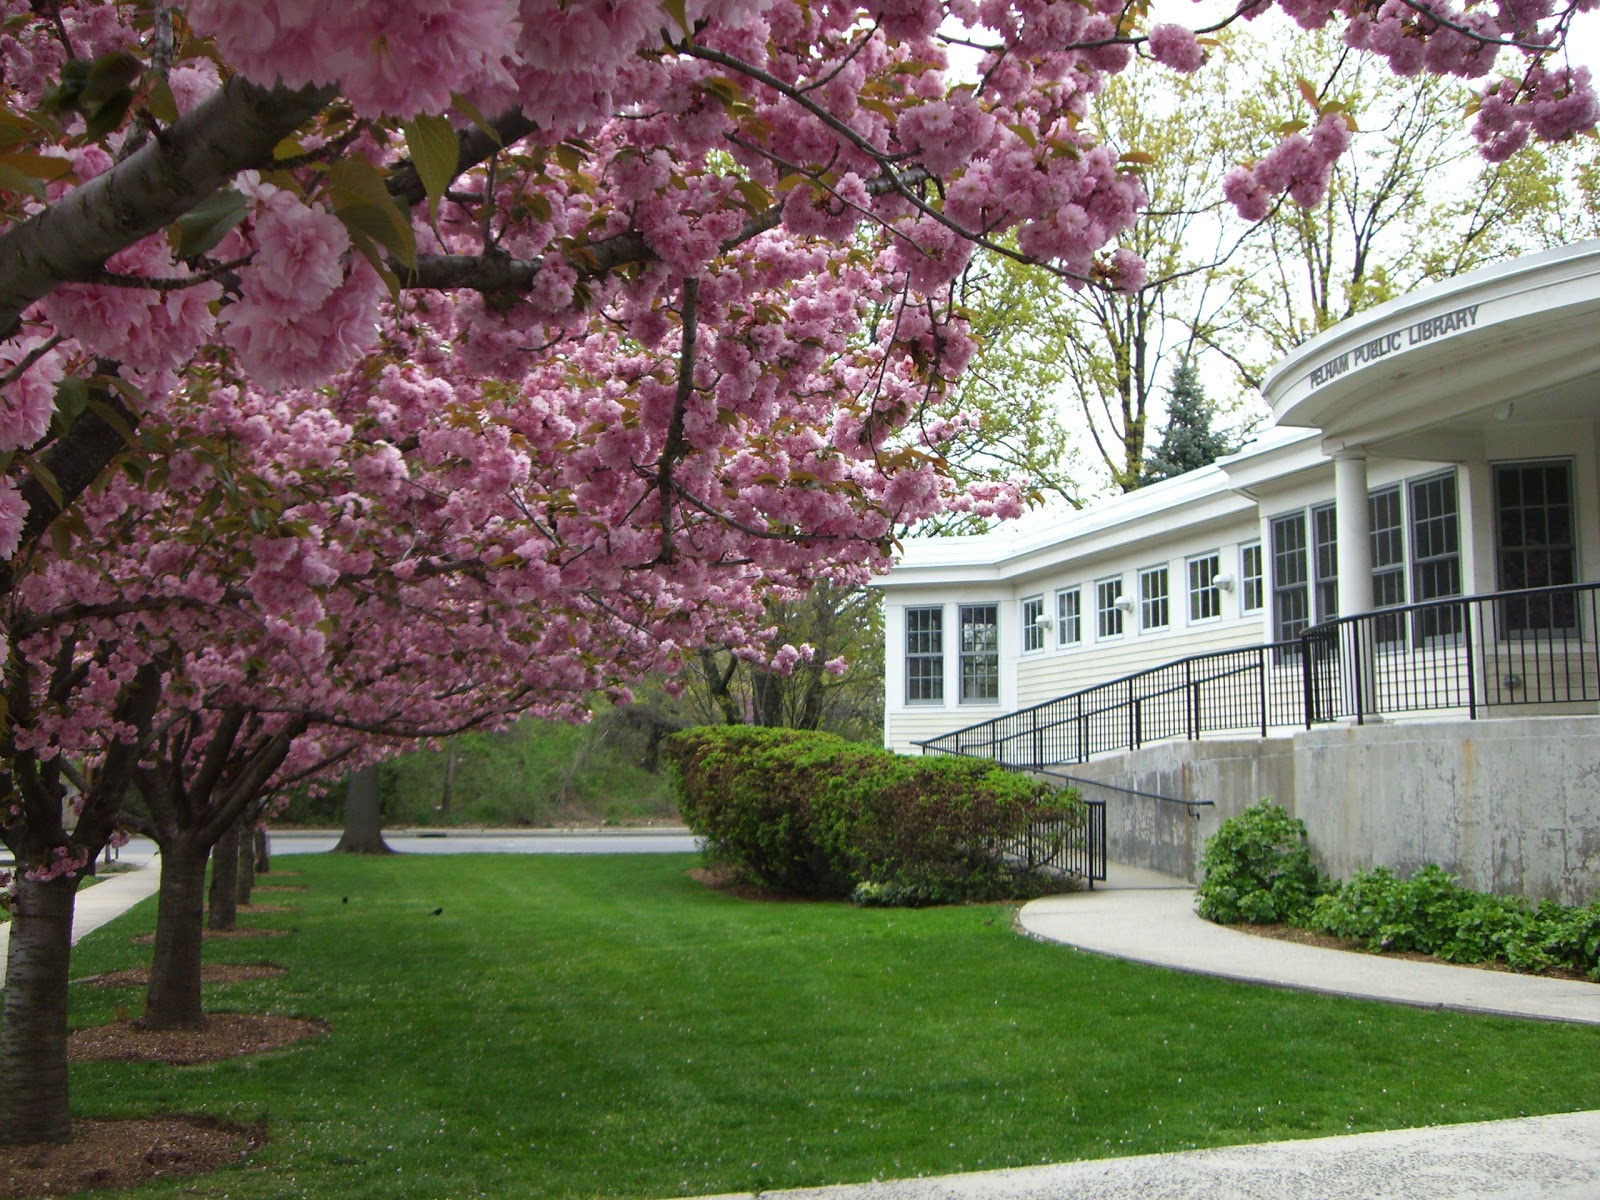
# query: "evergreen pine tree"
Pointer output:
{"type": "Point", "coordinates": [1187, 442]}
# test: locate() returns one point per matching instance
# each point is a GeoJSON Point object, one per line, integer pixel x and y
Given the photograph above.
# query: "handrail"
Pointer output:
{"type": "Point", "coordinates": [1481, 652]}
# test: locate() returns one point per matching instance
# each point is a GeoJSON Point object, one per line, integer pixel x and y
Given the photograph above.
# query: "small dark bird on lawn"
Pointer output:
{"type": "Point", "coordinates": [437, 911]}
{"type": "Point", "coordinates": [344, 900]}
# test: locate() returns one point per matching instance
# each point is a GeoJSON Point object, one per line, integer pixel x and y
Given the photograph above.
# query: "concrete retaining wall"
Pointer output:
{"type": "Point", "coordinates": [1511, 806]}
{"type": "Point", "coordinates": [1169, 837]}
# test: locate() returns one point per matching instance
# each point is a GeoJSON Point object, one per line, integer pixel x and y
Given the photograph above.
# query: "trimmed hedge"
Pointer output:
{"type": "Point", "coordinates": [811, 814]}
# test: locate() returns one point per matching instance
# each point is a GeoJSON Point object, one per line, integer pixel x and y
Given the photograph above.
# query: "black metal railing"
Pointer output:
{"type": "Point", "coordinates": [1071, 843]}
{"type": "Point", "coordinates": [1250, 689]}
{"type": "Point", "coordinates": [1472, 653]}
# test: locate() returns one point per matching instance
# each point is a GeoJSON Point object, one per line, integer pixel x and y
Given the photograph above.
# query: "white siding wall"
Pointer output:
{"type": "Point", "coordinates": [1032, 677]}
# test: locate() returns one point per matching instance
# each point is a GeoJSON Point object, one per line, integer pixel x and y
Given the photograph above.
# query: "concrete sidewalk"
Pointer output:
{"type": "Point", "coordinates": [1150, 918]}
{"type": "Point", "coordinates": [1539, 1158]}
{"type": "Point", "coordinates": [112, 896]}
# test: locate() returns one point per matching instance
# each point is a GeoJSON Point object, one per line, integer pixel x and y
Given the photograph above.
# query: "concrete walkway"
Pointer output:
{"type": "Point", "coordinates": [112, 896]}
{"type": "Point", "coordinates": [1540, 1158]}
{"type": "Point", "coordinates": [1150, 918]}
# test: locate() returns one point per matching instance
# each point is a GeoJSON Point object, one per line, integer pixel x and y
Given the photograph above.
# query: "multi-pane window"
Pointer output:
{"type": "Point", "coordinates": [1032, 630]}
{"type": "Point", "coordinates": [924, 655]}
{"type": "Point", "coordinates": [1388, 563]}
{"type": "Point", "coordinates": [1436, 554]}
{"type": "Point", "coordinates": [1291, 607]}
{"type": "Point", "coordinates": [1107, 616]}
{"type": "Point", "coordinates": [1154, 608]}
{"type": "Point", "coordinates": [1534, 543]}
{"type": "Point", "coordinates": [1069, 617]}
{"type": "Point", "coordinates": [980, 653]}
{"type": "Point", "coordinates": [1325, 560]}
{"type": "Point", "coordinates": [1250, 582]}
{"type": "Point", "coordinates": [1205, 601]}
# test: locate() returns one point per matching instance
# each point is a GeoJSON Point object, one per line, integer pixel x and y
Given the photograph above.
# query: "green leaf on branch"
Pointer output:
{"type": "Point", "coordinates": [30, 172]}
{"type": "Point", "coordinates": [200, 229]}
{"type": "Point", "coordinates": [434, 153]}
{"type": "Point", "coordinates": [362, 201]}
{"type": "Point", "coordinates": [678, 11]}
{"type": "Point", "coordinates": [72, 397]}
{"type": "Point", "coordinates": [458, 101]}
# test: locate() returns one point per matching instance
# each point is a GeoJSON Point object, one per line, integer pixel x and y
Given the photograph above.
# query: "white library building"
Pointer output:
{"type": "Point", "coordinates": [1381, 611]}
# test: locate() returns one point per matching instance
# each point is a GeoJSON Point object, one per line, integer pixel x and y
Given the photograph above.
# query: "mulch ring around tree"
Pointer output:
{"type": "Point", "coordinates": [209, 973]}
{"type": "Point", "coordinates": [149, 939]}
{"type": "Point", "coordinates": [224, 1035]}
{"type": "Point", "coordinates": [279, 887]}
{"type": "Point", "coordinates": [120, 1154]}
{"type": "Point", "coordinates": [247, 909]}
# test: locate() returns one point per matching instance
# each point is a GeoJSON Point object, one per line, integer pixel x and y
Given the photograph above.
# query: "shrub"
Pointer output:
{"type": "Point", "coordinates": [1258, 869]}
{"type": "Point", "coordinates": [1432, 913]}
{"type": "Point", "coordinates": [813, 815]}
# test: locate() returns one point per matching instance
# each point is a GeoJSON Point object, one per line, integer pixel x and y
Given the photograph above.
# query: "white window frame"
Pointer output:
{"type": "Point", "coordinates": [1149, 599]}
{"type": "Point", "coordinates": [1246, 578]}
{"type": "Point", "coordinates": [1206, 592]}
{"type": "Point", "coordinates": [1032, 630]}
{"type": "Point", "coordinates": [1108, 614]}
{"type": "Point", "coordinates": [975, 664]}
{"type": "Point", "coordinates": [936, 679]}
{"type": "Point", "coordinates": [1072, 622]}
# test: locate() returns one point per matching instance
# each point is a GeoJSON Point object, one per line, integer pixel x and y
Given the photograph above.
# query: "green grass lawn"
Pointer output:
{"type": "Point", "coordinates": [587, 1026]}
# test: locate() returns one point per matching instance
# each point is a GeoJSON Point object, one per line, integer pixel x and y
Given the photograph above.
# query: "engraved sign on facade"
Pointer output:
{"type": "Point", "coordinates": [1395, 341]}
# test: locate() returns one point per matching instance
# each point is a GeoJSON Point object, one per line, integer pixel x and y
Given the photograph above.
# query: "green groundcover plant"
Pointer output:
{"type": "Point", "coordinates": [1259, 870]}
{"type": "Point", "coordinates": [811, 814]}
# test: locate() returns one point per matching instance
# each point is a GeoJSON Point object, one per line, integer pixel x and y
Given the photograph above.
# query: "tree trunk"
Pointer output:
{"type": "Point", "coordinates": [173, 1000]}
{"type": "Point", "coordinates": [263, 847]}
{"type": "Point", "coordinates": [363, 829]}
{"type": "Point", "coordinates": [33, 1035]}
{"type": "Point", "coordinates": [246, 858]}
{"type": "Point", "coordinates": [449, 778]}
{"type": "Point", "coordinates": [222, 909]}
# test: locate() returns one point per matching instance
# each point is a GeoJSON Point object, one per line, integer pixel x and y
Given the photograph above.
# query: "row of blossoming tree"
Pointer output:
{"type": "Point", "coordinates": [373, 371]}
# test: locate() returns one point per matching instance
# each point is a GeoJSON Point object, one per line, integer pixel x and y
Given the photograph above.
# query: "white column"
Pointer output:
{"type": "Point", "coordinates": [1353, 529]}
{"type": "Point", "coordinates": [1353, 526]}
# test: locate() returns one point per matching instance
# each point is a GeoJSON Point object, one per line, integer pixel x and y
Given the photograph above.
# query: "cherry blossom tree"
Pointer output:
{"type": "Point", "coordinates": [421, 332]}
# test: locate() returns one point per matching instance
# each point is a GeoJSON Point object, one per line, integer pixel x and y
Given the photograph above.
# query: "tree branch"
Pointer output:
{"type": "Point", "coordinates": [231, 131]}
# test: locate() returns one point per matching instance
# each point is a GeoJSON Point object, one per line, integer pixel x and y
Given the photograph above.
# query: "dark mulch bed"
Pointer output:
{"type": "Point", "coordinates": [209, 973]}
{"type": "Point", "coordinates": [121, 1154]}
{"type": "Point", "coordinates": [224, 1035]}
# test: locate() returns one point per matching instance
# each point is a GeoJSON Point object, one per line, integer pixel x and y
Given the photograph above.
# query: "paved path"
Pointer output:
{"type": "Point", "coordinates": [1540, 1158]}
{"type": "Point", "coordinates": [1150, 918]}
{"type": "Point", "coordinates": [111, 897]}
